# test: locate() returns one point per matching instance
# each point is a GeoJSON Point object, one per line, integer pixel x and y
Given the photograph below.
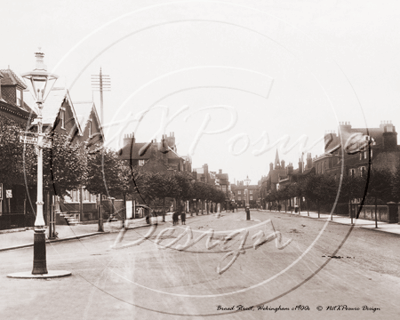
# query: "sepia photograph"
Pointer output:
{"type": "Point", "coordinates": [199, 159]}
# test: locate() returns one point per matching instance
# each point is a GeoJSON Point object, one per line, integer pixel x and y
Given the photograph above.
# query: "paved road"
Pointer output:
{"type": "Point", "coordinates": [146, 282]}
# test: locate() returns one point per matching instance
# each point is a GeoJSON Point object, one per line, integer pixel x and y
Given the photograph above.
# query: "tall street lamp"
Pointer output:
{"type": "Point", "coordinates": [247, 182]}
{"type": "Point", "coordinates": [40, 83]}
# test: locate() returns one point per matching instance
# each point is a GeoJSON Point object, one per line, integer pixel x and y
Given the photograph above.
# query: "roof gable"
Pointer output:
{"type": "Point", "coordinates": [57, 98]}
{"type": "Point", "coordinates": [11, 78]}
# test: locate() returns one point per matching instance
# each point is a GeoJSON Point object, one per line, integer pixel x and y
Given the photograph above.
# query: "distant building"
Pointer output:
{"type": "Point", "coordinates": [352, 161]}
{"type": "Point", "coordinates": [222, 180]}
{"type": "Point", "coordinates": [268, 184]}
{"type": "Point", "coordinates": [385, 151]}
{"type": "Point", "coordinates": [202, 174]}
{"type": "Point", "coordinates": [219, 180]}
{"type": "Point", "coordinates": [240, 190]}
{"type": "Point", "coordinates": [148, 156]}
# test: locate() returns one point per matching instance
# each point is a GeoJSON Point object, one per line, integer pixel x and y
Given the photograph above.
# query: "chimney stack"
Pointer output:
{"type": "Point", "coordinates": [129, 139]}
{"type": "Point", "coordinates": [309, 161]}
{"type": "Point", "coordinates": [389, 136]}
{"type": "Point", "coordinates": [289, 168]}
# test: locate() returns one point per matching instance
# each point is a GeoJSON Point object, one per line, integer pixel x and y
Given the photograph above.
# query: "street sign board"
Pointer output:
{"type": "Point", "coordinates": [27, 139]}
{"type": "Point", "coordinates": [8, 194]}
{"type": "Point", "coordinates": [46, 143]}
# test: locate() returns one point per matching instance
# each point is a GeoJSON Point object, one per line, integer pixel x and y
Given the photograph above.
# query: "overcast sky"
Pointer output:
{"type": "Point", "coordinates": [229, 79]}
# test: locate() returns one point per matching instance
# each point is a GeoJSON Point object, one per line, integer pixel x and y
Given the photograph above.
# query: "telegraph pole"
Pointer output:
{"type": "Point", "coordinates": [102, 83]}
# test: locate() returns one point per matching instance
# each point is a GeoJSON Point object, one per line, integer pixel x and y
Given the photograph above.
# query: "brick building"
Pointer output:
{"type": "Point", "coordinates": [148, 156]}
{"type": "Point", "coordinates": [12, 104]}
{"type": "Point", "coordinates": [79, 120]}
{"type": "Point", "coordinates": [240, 190]}
{"type": "Point", "coordinates": [385, 151]}
{"type": "Point", "coordinates": [269, 183]}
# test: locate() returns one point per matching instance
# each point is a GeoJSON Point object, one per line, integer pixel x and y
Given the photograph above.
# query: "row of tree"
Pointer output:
{"type": "Point", "coordinates": [69, 165]}
{"type": "Point", "coordinates": [380, 186]}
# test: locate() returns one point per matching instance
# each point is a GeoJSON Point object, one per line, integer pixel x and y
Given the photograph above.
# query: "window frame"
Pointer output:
{"type": "Point", "coordinates": [18, 98]}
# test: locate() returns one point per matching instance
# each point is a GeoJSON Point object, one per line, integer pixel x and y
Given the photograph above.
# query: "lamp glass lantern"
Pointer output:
{"type": "Point", "coordinates": [39, 81]}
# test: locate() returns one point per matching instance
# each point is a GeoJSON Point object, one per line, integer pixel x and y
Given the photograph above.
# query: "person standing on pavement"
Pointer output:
{"type": "Point", "coordinates": [182, 212]}
{"type": "Point", "coordinates": [183, 217]}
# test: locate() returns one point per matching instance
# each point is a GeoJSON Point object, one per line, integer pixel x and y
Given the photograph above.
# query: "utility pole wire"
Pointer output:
{"type": "Point", "coordinates": [102, 83]}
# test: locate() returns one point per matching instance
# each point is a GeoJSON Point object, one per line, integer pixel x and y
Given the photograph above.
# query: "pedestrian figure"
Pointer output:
{"type": "Point", "coordinates": [175, 218]}
{"type": "Point", "coordinates": [247, 210]}
{"type": "Point", "coordinates": [183, 218]}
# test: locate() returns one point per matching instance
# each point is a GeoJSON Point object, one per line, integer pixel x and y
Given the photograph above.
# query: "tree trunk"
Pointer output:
{"type": "Point", "coordinates": [350, 211]}
{"type": "Point", "coordinates": [376, 212]}
{"type": "Point", "coordinates": [124, 213]}
{"type": "Point", "coordinates": [318, 208]}
{"type": "Point", "coordinates": [100, 212]}
{"type": "Point", "coordinates": [300, 207]}
{"type": "Point", "coordinates": [202, 207]}
{"type": "Point", "coordinates": [163, 210]}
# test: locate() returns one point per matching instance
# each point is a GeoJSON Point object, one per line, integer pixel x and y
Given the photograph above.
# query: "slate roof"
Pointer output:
{"type": "Point", "coordinates": [132, 151]}
{"type": "Point", "coordinates": [83, 110]}
{"type": "Point", "coordinates": [375, 133]}
{"type": "Point", "coordinates": [222, 176]}
{"type": "Point", "coordinates": [11, 78]}
{"type": "Point", "coordinates": [276, 173]}
{"type": "Point", "coordinates": [52, 106]}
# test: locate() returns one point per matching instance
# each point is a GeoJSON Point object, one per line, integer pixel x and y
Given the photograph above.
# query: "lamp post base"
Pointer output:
{"type": "Point", "coordinates": [49, 274]}
{"type": "Point", "coordinates": [39, 261]}
{"type": "Point", "coordinates": [39, 252]}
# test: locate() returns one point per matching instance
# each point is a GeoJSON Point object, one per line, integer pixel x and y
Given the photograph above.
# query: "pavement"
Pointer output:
{"type": "Point", "coordinates": [21, 238]}
{"type": "Point", "coordinates": [358, 223]}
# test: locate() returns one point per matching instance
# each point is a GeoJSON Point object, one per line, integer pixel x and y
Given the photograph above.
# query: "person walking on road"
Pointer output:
{"type": "Point", "coordinates": [175, 218]}
{"type": "Point", "coordinates": [183, 218]}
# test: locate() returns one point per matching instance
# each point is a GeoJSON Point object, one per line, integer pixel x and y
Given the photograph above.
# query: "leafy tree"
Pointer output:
{"type": "Point", "coordinates": [104, 173]}
{"type": "Point", "coordinates": [184, 180]}
{"type": "Point", "coordinates": [379, 187]}
{"type": "Point", "coordinates": [320, 189]}
{"type": "Point", "coordinates": [351, 188]}
{"type": "Point", "coordinates": [16, 158]}
{"type": "Point", "coordinates": [64, 165]}
{"type": "Point", "coordinates": [200, 192]}
{"type": "Point", "coordinates": [157, 185]}
{"type": "Point", "coordinates": [396, 183]}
